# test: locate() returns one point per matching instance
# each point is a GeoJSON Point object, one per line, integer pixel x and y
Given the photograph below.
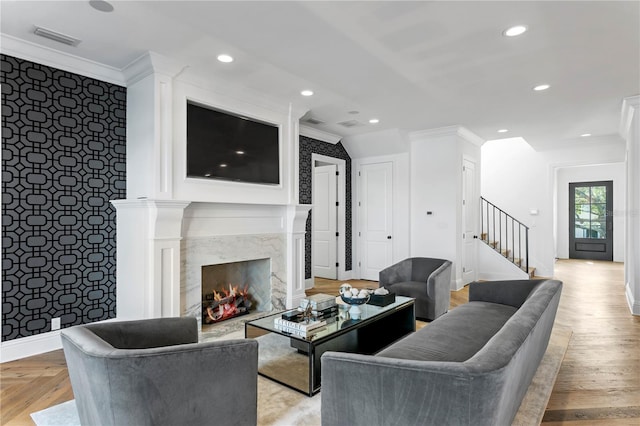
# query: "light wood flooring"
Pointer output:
{"type": "Point", "coordinates": [598, 382]}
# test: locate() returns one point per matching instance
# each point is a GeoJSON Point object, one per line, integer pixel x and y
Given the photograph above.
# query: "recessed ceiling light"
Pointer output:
{"type": "Point", "coordinates": [374, 121]}
{"type": "Point", "coordinates": [225, 58]}
{"type": "Point", "coordinates": [585, 135]}
{"type": "Point", "coordinates": [307, 93]}
{"type": "Point", "coordinates": [239, 152]}
{"type": "Point", "coordinates": [223, 165]}
{"type": "Point", "coordinates": [101, 5]}
{"type": "Point", "coordinates": [503, 131]}
{"type": "Point", "coordinates": [514, 31]}
{"type": "Point", "coordinates": [541, 87]}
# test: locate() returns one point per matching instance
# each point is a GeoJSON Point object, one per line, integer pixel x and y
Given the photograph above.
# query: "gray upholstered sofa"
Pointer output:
{"type": "Point", "coordinates": [425, 279]}
{"type": "Point", "coordinates": [153, 372]}
{"type": "Point", "coordinates": [471, 366]}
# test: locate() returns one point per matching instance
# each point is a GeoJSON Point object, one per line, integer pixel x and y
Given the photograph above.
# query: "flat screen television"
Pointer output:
{"type": "Point", "coordinates": [229, 147]}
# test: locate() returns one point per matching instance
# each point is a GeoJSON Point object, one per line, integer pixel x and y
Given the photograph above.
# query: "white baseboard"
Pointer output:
{"type": "Point", "coordinates": [345, 275]}
{"type": "Point", "coordinates": [35, 345]}
{"type": "Point", "coordinates": [456, 284]}
{"type": "Point", "coordinates": [308, 283]}
{"type": "Point", "coordinates": [634, 305]}
{"type": "Point", "coordinates": [29, 346]}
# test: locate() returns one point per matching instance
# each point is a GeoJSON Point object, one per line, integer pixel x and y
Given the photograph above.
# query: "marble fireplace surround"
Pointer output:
{"type": "Point", "coordinates": [163, 244]}
{"type": "Point", "coordinates": [199, 252]}
{"type": "Point", "coordinates": [252, 276]}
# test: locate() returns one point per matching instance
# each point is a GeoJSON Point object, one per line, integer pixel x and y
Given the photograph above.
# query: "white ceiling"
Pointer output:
{"type": "Point", "coordinates": [413, 65]}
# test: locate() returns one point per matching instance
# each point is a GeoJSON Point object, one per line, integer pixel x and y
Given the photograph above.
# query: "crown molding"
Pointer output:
{"type": "Point", "coordinates": [630, 107]}
{"type": "Point", "coordinates": [57, 59]}
{"type": "Point", "coordinates": [469, 136]}
{"type": "Point", "coordinates": [321, 135]}
{"type": "Point", "coordinates": [460, 131]}
{"type": "Point", "coordinates": [150, 63]}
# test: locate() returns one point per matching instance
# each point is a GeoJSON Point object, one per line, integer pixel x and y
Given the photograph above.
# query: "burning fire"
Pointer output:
{"type": "Point", "coordinates": [228, 303]}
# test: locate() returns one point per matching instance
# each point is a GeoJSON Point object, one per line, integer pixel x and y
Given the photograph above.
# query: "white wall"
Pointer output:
{"type": "Point", "coordinates": [608, 172]}
{"type": "Point", "coordinates": [434, 182]}
{"type": "Point", "coordinates": [630, 131]}
{"type": "Point", "coordinates": [515, 179]}
{"type": "Point", "coordinates": [436, 186]}
{"type": "Point", "coordinates": [518, 179]}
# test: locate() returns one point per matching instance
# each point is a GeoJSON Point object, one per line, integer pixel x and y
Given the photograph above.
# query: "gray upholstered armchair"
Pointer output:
{"type": "Point", "coordinates": [425, 279]}
{"type": "Point", "coordinates": [153, 372]}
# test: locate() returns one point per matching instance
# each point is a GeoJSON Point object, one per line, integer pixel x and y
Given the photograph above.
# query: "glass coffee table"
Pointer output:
{"type": "Point", "coordinates": [294, 361]}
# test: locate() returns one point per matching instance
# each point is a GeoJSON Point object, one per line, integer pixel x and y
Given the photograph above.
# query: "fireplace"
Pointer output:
{"type": "Point", "coordinates": [164, 244]}
{"type": "Point", "coordinates": [233, 289]}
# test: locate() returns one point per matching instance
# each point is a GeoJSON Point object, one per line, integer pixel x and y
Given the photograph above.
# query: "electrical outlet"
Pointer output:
{"type": "Point", "coordinates": [55, 323]}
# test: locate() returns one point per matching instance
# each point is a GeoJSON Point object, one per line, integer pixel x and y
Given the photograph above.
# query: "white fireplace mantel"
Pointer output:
{"type": "Point", "coordinates": [148, 234]}
{"type": "Point", "coordinates": [170, 225]}
{"type": "Point", "coordinates": [162, 244]}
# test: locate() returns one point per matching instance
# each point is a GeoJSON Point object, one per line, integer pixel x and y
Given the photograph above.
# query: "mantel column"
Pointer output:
{"type": "Point", "coordinates": [148, 235]}
{"type": "Point", "coordinates": [296, 220]}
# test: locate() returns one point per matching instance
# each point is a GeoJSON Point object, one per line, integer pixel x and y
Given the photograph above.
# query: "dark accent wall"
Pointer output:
{"type": "Point", "coordinates": [310, 146]}
{"type": "Point", "coordinates": [63, 159]}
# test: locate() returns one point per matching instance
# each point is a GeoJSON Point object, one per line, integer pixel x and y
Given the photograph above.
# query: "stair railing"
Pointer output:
{"type": "Point", "coordinates": [505, 234]}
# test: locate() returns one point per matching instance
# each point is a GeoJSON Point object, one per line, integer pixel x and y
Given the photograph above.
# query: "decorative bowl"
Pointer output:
{"type": "Point", "coordinates": [355, 300]}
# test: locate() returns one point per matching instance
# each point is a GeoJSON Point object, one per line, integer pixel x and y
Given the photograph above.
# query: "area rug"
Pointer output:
{"type": "Point", "coordinates": [278, 405]}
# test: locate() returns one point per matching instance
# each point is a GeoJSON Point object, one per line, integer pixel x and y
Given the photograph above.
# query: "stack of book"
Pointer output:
{"type": "Point", "coordinates": [322, 305]}
{"type": "Point", "coordinates": [304, 329]}
{"type": "Point", "coordinates": [319, 302]}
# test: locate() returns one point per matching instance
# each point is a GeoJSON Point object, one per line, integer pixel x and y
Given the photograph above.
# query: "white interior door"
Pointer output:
{"type": "Point", "coordinates": [375, 206]}
{"type": "Point", "coordinates": [470, 220]}
{"type": "Point", "coordinates": [324, 224]}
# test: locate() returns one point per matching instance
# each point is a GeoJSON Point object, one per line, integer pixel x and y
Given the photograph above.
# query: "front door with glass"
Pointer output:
{"type": "Point", "coordinates": [591, 220]}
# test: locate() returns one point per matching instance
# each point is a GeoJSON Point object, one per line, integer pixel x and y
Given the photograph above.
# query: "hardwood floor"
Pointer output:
{"type": "Point", "coordinates": [598, 382]}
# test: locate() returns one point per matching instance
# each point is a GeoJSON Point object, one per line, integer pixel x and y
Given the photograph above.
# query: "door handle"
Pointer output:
{"type": "Point", "coordinates": [388, 237]}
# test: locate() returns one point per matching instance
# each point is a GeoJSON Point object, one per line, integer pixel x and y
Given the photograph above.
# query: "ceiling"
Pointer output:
{"type": "Point", "coordinates": [413, 65]}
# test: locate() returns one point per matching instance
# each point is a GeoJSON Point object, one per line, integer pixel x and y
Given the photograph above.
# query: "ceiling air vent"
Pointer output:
{"type": "Point", "coordinates": [312, 120]}
{"type": "Point", "coordinates": [351, 123]}
{"type": "Point", "coordinates": [56, 36]}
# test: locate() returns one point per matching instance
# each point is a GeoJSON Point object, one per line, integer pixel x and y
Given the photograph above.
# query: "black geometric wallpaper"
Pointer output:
{"type": "Point", "coordinates": [310, 146]}
{"type": "Point", "coordinates": [63, 159]}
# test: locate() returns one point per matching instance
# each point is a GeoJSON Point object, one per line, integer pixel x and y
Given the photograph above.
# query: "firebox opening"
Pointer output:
{"type": "Point", "coordinates": [233, 289]}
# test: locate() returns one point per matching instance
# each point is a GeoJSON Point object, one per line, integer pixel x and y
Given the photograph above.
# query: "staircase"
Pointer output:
{"type": "Point", "coordinates": [506, 235]}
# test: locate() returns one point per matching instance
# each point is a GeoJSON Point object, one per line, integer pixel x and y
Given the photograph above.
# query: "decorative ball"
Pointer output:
{"type": "Point", "coordinates": [345, 288]}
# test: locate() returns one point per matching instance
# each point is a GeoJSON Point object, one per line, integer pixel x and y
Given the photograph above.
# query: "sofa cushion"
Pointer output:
{"type": "Point", "coordinates": [455, 336]}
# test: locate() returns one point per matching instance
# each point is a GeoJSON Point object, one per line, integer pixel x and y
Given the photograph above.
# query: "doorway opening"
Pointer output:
{"type": "Point", "coordinates": [591, 220]}
{"type": "Point", "coordinates": [328, 218]}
